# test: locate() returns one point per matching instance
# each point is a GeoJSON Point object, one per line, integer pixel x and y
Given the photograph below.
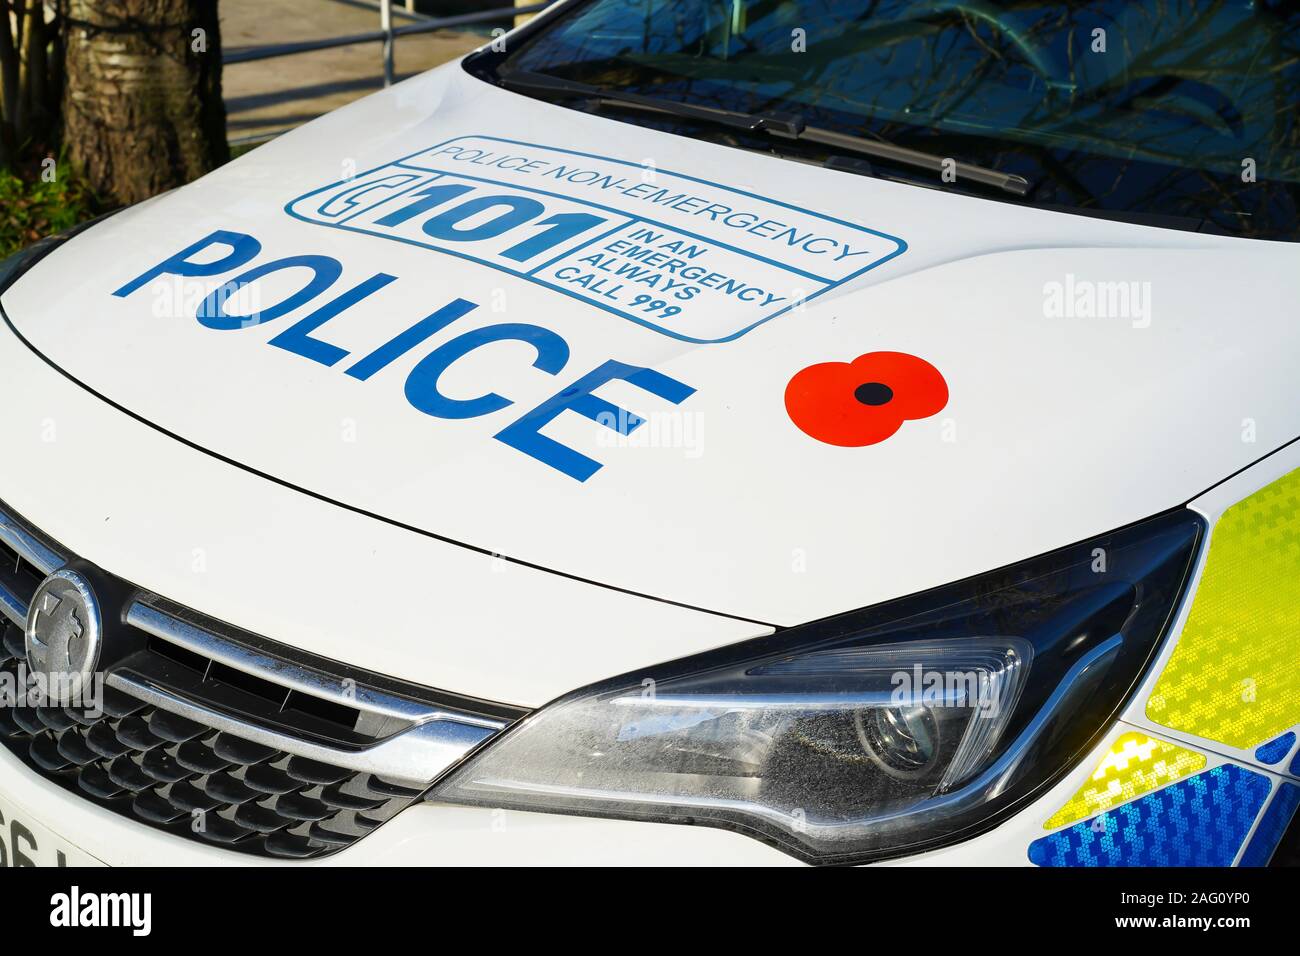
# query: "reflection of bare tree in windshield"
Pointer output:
{"type": "Point", "coordinates": [1181, 108]}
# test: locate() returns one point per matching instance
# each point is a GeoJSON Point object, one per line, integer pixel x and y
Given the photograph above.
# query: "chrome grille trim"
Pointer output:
{"type": "Point", "coordinates": [30, 548]}
{"type": "Point", "coordinates": [414, 757]}
{"type": "Point", "coordinates": [13, 607]}
{"type": "Point", "coordinates": [290, 675]}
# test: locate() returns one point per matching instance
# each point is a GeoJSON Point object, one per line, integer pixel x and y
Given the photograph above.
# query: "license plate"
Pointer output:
{"type": "Point", "coordinates": [24, 842]}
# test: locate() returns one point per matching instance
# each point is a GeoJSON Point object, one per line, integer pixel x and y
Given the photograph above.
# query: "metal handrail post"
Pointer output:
{"type": "Point", "coordinates": [386, 24]}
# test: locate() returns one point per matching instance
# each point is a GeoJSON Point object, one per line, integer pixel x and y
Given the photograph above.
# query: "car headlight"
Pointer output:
{"type": "Point", "coordinates": [876, 733]}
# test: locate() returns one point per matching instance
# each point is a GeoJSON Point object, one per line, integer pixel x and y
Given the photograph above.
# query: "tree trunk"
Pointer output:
{"type": "Point", "coordinates": [31, 60]}
{"type": "Point", "coordinates": [142, 108]}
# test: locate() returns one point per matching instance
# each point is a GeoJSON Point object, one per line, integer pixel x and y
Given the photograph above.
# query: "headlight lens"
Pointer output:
{"type": "Point", "coordinates": [876, 733]}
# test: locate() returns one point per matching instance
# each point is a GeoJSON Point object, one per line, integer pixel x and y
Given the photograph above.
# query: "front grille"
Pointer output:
{"type": "Point", "coordinates": [20, 572]}
{"type": "Point", "coordinates": [221, 736]}
{"type": "Point", "coordinates": [193, 780]}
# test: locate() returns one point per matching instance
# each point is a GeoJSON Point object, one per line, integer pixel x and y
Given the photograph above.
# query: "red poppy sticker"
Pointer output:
{"type": "Point", "coordinates": [865, 401]}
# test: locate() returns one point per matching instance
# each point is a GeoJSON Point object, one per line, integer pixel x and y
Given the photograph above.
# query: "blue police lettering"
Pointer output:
{"type": "Point", "coordinates": [399, 345]}
{"type": "Point", "coordinates": [422, 384]}
{"type": "Point", "coordinates": [305, 338]}
{"type": "Point", "coordinates": [243, 248]}
{"type": "Point", "coordinates": [524, 434]}
{"type": "Point", "coordinates": [297, 338]}
{"type": "Point", "coordinates": [324, 271]}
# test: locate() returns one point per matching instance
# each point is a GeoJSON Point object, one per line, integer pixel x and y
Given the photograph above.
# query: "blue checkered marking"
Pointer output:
{"type": "Point", "coordinates": [1200, 821]}
{"type": "Point", "coordinates": [1275, 750]}
{"type": "Point", "coordinates": [1272, 825]}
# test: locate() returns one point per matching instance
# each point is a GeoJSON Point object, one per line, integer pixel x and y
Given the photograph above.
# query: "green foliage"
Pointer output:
{"type": "Point", "coordinates": [31, 207]}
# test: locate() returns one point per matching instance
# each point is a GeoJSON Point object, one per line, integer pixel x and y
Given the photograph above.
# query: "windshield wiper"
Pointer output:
{"type": "Point", "coordinates": [789, 126]}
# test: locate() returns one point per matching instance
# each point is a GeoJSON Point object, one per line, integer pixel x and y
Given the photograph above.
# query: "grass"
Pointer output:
{"type": "Point", "coordinates": [36, 202]}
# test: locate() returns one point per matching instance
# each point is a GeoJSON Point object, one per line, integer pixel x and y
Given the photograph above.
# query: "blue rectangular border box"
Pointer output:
{"type": "Point", "coordinates": [899, 244]}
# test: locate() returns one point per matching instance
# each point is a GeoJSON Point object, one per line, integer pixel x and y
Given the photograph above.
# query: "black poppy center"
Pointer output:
{"type": "Point", "coordinates": [873, 393]}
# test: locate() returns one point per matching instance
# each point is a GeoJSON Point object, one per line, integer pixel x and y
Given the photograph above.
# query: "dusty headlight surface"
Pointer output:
{"type": "Point", "coordinates": [875, 733]}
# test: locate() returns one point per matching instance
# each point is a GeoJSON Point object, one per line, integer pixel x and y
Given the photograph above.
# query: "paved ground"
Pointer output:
{"type": "Point", "coordinates": [267, 96]}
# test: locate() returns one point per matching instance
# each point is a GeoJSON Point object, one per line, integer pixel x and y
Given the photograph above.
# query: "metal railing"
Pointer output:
{"type": "Point", "coordinates": [387, 34]}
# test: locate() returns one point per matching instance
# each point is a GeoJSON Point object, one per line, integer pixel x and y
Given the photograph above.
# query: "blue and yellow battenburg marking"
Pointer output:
{"type": "Point", "coordinates": [1275, 750]}
{"type": "Point", "coordinates": [1272, 825]}
{"type": "Point", "coordinates": [1234, 676]}
{"type": "Point", "coordinates": [1200, 821]}
{"type": "Point", "coordinates": [1135, 764]}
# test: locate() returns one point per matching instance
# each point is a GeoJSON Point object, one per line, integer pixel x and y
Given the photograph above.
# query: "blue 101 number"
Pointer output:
{"type": "Point", "coordinates": [515, 211]}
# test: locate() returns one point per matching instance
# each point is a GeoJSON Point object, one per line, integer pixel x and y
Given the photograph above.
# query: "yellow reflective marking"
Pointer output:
{"type": "Point", "coordinates": [1234, 676]}
{"type": "Point", "coordinates": [1136, 764]}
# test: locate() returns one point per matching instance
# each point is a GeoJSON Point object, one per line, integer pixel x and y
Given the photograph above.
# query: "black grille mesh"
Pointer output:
{"type": "Point", "coordinates": [193, 780]}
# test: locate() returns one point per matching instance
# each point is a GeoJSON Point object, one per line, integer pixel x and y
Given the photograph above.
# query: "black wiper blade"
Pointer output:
{"type": "Point", "coordinates": [539, 84]}
{"type": "Point", "coordinates": [880, 149]}
{"type": "Point", "coordinates": [779, 125]}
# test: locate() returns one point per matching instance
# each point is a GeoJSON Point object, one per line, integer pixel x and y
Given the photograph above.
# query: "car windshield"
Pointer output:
{"type": "Point", "coordinates": [1169, 112]}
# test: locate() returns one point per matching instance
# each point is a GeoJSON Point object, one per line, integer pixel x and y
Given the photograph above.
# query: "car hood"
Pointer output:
{"type": "Point", "coordinates": [1063, 375]}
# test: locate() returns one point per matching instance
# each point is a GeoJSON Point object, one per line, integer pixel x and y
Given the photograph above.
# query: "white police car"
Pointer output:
{"type": "Point", "coordinates": [865, 434]}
